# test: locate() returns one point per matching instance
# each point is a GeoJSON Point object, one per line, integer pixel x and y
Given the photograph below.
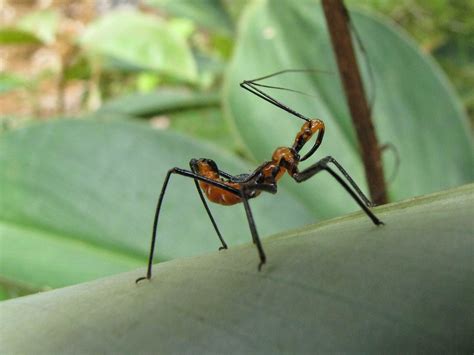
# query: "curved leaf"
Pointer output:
{"type": "Point", "coordinates": [74, 192]}
{"type": "Point", "coordinates": [41, 23]}
{"type": "Point", "coordinates": [158, 102]}
{"type": "Point", "coordinates": [12, 35]}
{"type": "Point", "coordinates": [343, 286]}
{"type": "Point", "coordinates": [195, 113]}
{"type": "Point", "coordinates": [207, 124]}
{"type": "Point", "coordinates": [210, 14]}
{"type": "Point", "coordinates": [142, 41]}
{"type": "Point", "coordinates": [415, 108]}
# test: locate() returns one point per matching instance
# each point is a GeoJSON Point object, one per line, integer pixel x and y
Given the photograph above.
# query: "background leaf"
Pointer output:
{"type": "Point", "coordinates": [74, 192]}
{"type": "Point", "coordinates": [210, 14]}
{"type": "Point", "coordinates": [415, 108]}
{"type": "Point", "coordinates": [343, 286]}
{"type": "Point", "coordinates": [142, 41]}
{"type": "Point", "coordinates": [198, 114]}
{"type": "Point", "coordinates": [11, 35]}
{"type": "Point", "coordinates": [10, 82]}
{"type": "Point", "coordinates": [159, 102]}
{"type": "Point", "coordinates": [42, 23]}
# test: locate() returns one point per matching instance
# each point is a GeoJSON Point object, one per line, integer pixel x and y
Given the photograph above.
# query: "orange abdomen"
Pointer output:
{"type": "Point", "coordinates": [220, 196]}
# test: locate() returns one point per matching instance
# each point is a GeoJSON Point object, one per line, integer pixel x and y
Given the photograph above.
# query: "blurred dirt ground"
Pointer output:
{"type": "Point", "coordinates": [44, 64]}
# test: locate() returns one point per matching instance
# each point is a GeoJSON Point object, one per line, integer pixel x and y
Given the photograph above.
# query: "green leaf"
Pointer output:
{"type": "Point", "coordinates": [142, 41]}
{"type": "Point", "coordinates": [11, 35]}
{"type": "Point", "coordinates": [13, 288]}
{"type": "Point", "coordinates": [41, 23]}
{"type": "Point", "coordinates": [159, 102]}
{"type": "Point", "coordinates": [79, 69]}
{"type": "Point", "coordinates": [205, 123]}
{"type": "Point", "coordinates": [194, 113]}
{"type": "Point", "coordinates": [10, 82]}
{"type": "Point", "coordinates": [343, 286]}
{"type": "Point", "coordinates": [147, 82]}
{"type": "Point", "coordinates": [78, 199]}
{"type": "Point", "coordinates": [45, 258]}
{"type": "Point", "coordinates": [415, 108]}
{"type": "Point", "coordinates": [211, 14]}
{"type": "Point", "coordinates": [34, 28]}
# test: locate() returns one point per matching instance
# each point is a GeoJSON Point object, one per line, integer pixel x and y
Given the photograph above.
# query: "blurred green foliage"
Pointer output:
{"type": "Point", "coordinates": [138, 41]}
{"type": "Point", "coordinates": [202, 35]}
{"type": "Point", "coordinates": [43, 23]}
{"type": "Point", "coordinates": [442, 28]}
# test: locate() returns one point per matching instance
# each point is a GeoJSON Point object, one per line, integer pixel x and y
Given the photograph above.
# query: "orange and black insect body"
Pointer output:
{"type": "Point", "coordinates": [226, 189]}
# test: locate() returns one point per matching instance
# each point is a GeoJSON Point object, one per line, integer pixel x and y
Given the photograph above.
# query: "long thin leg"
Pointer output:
{"type": "Point", "coordinates": [253, 228]}
{"type": "Point", "coordinates": [359, 197]}
{"type": "Point", "coordinates": [224, 245]}
{"type": "Point", "coordinates": [351, 181]}
{"type": "Point", "coordinates": [181, 172]}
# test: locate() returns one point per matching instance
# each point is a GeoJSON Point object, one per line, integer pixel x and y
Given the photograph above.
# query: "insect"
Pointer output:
{"type": "Point", "coordinates": [226, 189]}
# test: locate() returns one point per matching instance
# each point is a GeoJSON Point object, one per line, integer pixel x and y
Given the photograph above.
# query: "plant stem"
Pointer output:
{"type": "Point", "coordinates": [337, 19]}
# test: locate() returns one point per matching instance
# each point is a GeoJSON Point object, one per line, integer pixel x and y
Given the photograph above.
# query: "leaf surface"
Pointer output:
{"type": "Point", "coordinates": [159, 102]}
{"type": "Point", "coordinates": [342, 286]}
{"type": "Point", "coordinates": [142, 41]}
{"type": "Point", "coordinates": [211, 14]}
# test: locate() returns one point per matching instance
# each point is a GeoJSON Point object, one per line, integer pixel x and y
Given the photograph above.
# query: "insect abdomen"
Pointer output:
{"type": "Point", "coordinates": [220, 196]}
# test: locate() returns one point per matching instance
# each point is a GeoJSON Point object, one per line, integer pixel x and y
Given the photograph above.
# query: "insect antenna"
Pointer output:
{"type": "Point", "coordinates": [247, 85]}
{"type": "Point", "coordinates": [252, 86]}
{"type": "Point", "coordinates": [317, 71]}
{"type": "Point", "coordinates": [285, 89]}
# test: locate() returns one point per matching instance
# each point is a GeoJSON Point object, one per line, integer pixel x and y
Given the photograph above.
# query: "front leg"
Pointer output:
{"type": "Point", "coordinates": [248, 191]}
{"type": "Point", "coordinates": [358, 195]}
{"type": "Point", "coordinates": [253, 229]}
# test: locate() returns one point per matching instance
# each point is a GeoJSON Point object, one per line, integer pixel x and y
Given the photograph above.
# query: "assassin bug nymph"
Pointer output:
{"type": "Point", "coordinates": [225, 189]}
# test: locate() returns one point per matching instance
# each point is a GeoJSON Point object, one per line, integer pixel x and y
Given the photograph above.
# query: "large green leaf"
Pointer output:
{"type": "Point", "coordinates": [143, 41]}
{"type": "Point", "coordinates": [194, 113]}
{"type": "Point", "coordinates": [159, 102]}
{"type": "Point", "coordinates": [415, 108]}
{"type": "Point", "coordinates": [343, 286]}
{"type": "Point", "coordinates": [211, 14]}
{"type": "Point", "coordinates": [73, 193]}
{"type": "Point", "coordinates": [205, 123]}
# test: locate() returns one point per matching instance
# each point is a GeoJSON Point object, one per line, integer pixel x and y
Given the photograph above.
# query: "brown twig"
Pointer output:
{"type": "Point", "coordinates": [337, 20]}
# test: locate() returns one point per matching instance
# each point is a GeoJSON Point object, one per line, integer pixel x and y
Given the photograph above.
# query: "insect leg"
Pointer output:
{"type": "Point", "coordinates": [246, 194]}
{"type": "Point", "coordinates": [181, 172]}
{"type": "Point", "coordinates": [351, 181]}
{"type": "Point", "coordinates": [253, 230]}
{"type": "Point", "coordinates": [358, 196]}
{"type": "Point", "coordinates": [224, 245]}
